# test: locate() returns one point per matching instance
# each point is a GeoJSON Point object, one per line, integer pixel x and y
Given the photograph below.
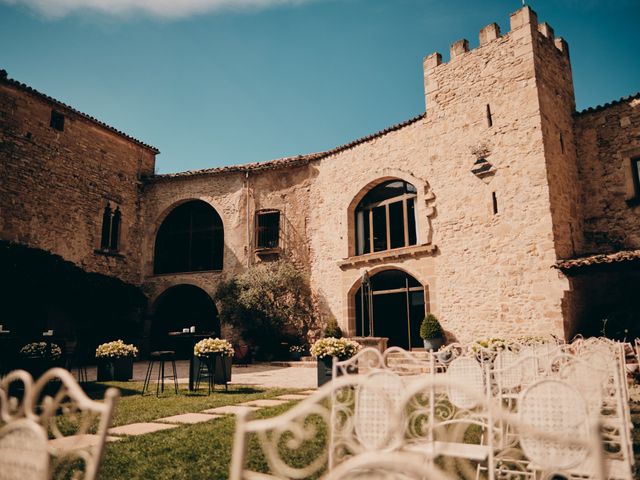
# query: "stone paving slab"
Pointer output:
{"type": "Point", "coordinates": [140, 428]}
{"type": "Point", "coordinates": [77, 442]}
{"type": "Point", "coordinates": [189, 418]}
{"type": "Point", "coordinates": [292, 396]}
{"type": "Point", "coordinates": [229, 409]}
{"type": "Point", "coordinates": [264, 403]}
{"type": "Point", "coordinates": [308, 392]}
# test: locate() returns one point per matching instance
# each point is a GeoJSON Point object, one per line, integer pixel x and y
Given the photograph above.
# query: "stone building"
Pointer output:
{"type": "Point", "coordinates": [500, 209]}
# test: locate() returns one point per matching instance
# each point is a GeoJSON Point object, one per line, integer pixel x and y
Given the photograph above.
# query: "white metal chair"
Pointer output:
{"type": "Point", "coordinates": [51, 424]}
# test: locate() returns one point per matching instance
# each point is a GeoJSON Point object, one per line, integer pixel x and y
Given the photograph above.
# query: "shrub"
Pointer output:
{"type": "Point", "coordinates": [268, 305]}
{"type": "Point", "coordinates": [342, 348]}
{"type": "Point", "coordinates": [332, 329]}
{"type": "Point", "coordinates": [116, 349]}
{"type": "Point", "coordinates": [40, 350]}
{"type": "Point", "coordinates": [430, 328]}
{"type": "Point", "coordinates": [213, 345]}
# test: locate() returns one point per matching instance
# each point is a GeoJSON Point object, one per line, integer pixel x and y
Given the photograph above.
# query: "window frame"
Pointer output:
{"type": "Point", "coordinates": [367, 210]}
{"type": "Point", "coordinates": [635, 176]}
{"type": "Point", "coordinates": [264, 213]}
{"type": "Point", "coordinates": [57, 120]}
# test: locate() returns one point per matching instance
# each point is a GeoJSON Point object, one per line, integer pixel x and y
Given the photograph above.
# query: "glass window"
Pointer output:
{"type": "Point", "coordinates": [268, 229]}
{"type": "Point", "coordinates": [385, 218]}
{"type": "Point", "coordinates": [190, 239]}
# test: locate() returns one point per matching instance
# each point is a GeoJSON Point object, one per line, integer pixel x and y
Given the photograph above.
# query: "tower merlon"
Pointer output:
{"type": "Point", "coordinates": [458, 48]}
{"type": "Point", "coordinates": [522, 22]}
{"type": "Point", "coordinates": [489, 33]}
{"type": "Point", "coordinates": [546, 30]}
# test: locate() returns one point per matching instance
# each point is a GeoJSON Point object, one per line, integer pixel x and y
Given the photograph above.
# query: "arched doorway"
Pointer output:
{"type": "Point", "coordinates": [391, 304]}
{"type": "Point", "coordinates": [180, 307]}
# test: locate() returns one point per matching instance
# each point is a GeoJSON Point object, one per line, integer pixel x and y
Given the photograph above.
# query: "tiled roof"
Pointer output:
{"type": "Point", "coordinates": [288, 161]}
{"type": "Point", "coordinates": [21, 86]}
{"type": "Point", "coordinates": [617, 257]}
{"type": "Point", "coordinates": [598, 108]}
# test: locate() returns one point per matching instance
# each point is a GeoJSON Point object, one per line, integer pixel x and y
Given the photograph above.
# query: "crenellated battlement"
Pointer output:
{"type": "Point", "coordinates": [525, 18]}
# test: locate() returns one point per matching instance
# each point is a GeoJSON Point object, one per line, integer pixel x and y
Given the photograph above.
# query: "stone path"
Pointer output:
{"type": "Point", "coordinates": [143, 428]}
{"type": "Point", "coordinates": [260, 374]}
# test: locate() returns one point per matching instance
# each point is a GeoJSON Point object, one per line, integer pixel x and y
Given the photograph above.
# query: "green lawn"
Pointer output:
{"type": "Point", "coordinates": [133, 407]}
{"type": "Point", "coordinates": [201, 451]}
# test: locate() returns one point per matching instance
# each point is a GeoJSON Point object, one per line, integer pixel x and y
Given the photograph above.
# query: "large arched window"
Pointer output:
{"type": "Point", "coordinates": [190, 239]}
{"type": "Point", "coordinates": [386, 218]}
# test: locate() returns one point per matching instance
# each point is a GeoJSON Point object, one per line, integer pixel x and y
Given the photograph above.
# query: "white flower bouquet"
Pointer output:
{"type": "Point", "coordinates": [342, 348]}
{"type": "Point", "coordinates": [297, 348]}
{"type": "Point", "coordinates": [116, 349]}
{"type": "Point", "coordinates": [213, 345]}
{"type": "Point", "coordinates": [40, 350]}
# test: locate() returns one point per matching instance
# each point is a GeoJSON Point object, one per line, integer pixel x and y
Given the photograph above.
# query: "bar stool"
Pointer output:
{"type": "Point", "coordinates": [161, 357]}
{"type": "Point", "coordinates": [207, 370]}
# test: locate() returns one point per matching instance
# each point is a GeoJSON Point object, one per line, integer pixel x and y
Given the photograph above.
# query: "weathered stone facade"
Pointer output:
{"type": "Point", "coordinates": [55, 184]}
{"type": "Point", "coordinates": [509, 178]}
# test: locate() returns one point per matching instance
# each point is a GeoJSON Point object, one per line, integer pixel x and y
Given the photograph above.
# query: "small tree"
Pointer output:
{"type": "Point", "coordinates": [268, 304]}
{"type": "Point", "coordinates": [430, 328]}
{"type": "Point", "coordinates": [332, 329]}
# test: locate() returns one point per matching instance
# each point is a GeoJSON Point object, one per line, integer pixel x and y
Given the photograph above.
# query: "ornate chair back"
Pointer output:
{"type": "Point", "coordinates": [57, 406]}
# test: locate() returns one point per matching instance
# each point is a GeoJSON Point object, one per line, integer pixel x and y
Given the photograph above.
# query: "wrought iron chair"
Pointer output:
{"type": "Point", "coordinates": [54, 407]}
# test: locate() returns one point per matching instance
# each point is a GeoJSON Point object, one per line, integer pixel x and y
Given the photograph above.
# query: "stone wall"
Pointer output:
{"type": "Point", "coordinates": [55, 184]}
{"type": "Point", "coordinates": [236, 196]}
{"type": "Point", "coordinates": [485, 273]}
{"type": "Point", "coordinates": [607, 139]}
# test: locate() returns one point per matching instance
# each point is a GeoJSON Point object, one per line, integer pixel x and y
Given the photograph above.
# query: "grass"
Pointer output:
{"type": "Point", "coordinates": [133, 407]}
{"type": "Point", "coordinates": [200, 451]}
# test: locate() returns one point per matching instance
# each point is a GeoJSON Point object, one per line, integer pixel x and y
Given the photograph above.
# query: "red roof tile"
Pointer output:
{"type": "Point", "coordinates": [616, 257]}
{"type": "Point", "coordinates": [288, 161]}
{"type": "Point", "coordinates": [26, 88]}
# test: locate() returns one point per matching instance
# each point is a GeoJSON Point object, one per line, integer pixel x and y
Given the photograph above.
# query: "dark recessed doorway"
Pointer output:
{"type": "Point", "coordinates": [392, 305]}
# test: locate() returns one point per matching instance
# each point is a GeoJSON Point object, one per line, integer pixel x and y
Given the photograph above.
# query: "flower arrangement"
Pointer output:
{"type": "Point", "coordinates": [213, 345]}
{"type": "Point", "coordinates": [491, 344]}
{"type": "Point", "coordinates": [297, 348]}
{"type": "Point", "coordinates": [40, 350]}
{"type": "Point", "coordinates": [342, 348]}
{"type": "Point", "coordinates": [116, 349]}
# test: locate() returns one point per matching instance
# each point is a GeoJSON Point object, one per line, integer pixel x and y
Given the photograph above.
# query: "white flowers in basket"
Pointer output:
{"type": "Point", "coordinates": [213, 345]}
{"type": "Point", "coordinates": [39, 350]}
{"type": "Point", "coordinates": [116, 349]}
{"type": "Point", "coordinates": [342, 348]}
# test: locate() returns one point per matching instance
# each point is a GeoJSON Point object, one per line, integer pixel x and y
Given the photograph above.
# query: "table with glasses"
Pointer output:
{"type": "Point", "coordinates": [194, 362]}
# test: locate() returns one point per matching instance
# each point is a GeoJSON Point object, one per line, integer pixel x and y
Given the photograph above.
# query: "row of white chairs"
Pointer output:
{"type": "Point", "coordinates": [382, 425]}
{"type": "Point", "coordinates": [595, 367]}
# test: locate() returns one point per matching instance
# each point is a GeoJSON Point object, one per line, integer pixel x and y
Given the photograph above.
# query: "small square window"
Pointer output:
{"type": "Point", "coordinates": [268, 229]}
{"type": "Point", "coordinates": [57, 121]}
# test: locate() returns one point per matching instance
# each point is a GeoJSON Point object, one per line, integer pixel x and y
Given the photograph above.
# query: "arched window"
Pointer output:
{"type": "Point", "coordinates": [386, 218]}
{"type": "Point", "coordinates": [191, 239]}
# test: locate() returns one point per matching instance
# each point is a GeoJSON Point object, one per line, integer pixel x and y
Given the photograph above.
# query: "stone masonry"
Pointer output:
{"type": "Point", "coordinates": [557, 185]}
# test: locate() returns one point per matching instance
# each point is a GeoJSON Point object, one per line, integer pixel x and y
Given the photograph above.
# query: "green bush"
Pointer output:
{"type": "Point", "coordinates": [332, 329]}
{"type": "Point", "coordinates": [430, 328]}
{"type": "Point", "coordinates": [270, 307]}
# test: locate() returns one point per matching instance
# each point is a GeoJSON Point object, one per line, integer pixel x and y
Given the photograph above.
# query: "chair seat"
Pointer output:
{"type": "Point", "coordinates": [163, 354]}
{"type": "Point", "coordinates": [470, 451]}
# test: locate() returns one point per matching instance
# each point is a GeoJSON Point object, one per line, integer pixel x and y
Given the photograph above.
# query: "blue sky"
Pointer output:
{"type": "Point", "coordinates": [213, 85]}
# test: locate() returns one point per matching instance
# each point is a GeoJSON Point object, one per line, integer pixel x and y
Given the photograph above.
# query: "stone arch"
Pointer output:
{"type": "Point", "coordinates": [178, 251]}
{"type": "Point", "coordinates": [354, 295]}
{"type": "Point", "coordinates": [425, 207]}
{"type": "Point", "coordinates": [182, 306]}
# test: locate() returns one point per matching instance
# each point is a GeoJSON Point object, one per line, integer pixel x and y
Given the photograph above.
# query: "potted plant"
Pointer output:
{"type": "Point", "coordinates": [332, 329]}
{"type": "Point", "coordinates": [326, 348]}
{"type": "Point", "coordinates": [431, 333]}
{"type": "Point", "coordinates": [115, 361]}
{"type": "Point", "coordinates": [220, 352]}
{"type": "Point", "coordinates": [297, 351]}
{"type": "Point", "coordinates": [38, 357]}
